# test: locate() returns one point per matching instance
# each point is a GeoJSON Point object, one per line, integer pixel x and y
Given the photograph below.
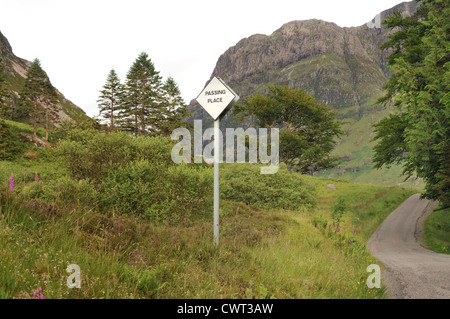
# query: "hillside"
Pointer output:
{"type": "Point", "coordinates": [16, 68]}
{"type": "Point", "coordinates": [342, 67]}
{"type": "Point", "coordinates": [140, 226]}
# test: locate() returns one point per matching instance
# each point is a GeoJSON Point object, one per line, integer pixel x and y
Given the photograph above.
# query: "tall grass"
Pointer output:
{"type": "Point", "coordinates": [295, 239]}
{"type": "Point", "coordinates": [262, 253]}
{"type": "Point", "coordinates": [437, 230]}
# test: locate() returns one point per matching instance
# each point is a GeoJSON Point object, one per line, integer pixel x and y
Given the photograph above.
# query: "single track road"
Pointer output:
{"type": "Point", "coordinates": [411, 270]}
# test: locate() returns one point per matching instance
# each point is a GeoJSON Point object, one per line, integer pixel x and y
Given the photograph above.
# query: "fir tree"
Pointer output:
{"type": "Point", "coordinates": [110, 97]}
{"type": "Point", "coordinates": [142, 105]}
{"type": "Point", "coordinates": [38, 97]}
{"type": "Point", "coordinates": [4, 140]}
{"type": "Point", "coordinates": [174, 108]}
{"type": "Point", "coordinates": [5, 109]}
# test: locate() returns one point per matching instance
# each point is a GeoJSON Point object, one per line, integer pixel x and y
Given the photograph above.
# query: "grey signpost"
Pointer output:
{"type": "Point", "coordinates": [217, 98]}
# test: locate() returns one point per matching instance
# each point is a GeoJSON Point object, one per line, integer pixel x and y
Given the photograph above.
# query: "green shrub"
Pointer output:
{"type": "Point", "coordinates": [155, 192]}
{"type": "Point", "coordinates": [62, 190]}
{"type": "Point", "coordinates": [89, 154]}
{"type": "Point", "coordinates": [245, 183]}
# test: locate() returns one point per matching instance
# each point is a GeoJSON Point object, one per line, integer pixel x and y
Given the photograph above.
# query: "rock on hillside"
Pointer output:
{"type": "Point", "coordinates": [16, 68]}
{"type": "Point", "coordinates": [335, 64]}
{"type": "Point", "coordinates": [342, 67]}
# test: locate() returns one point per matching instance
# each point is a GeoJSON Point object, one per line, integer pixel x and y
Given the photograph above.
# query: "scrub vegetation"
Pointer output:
{"type": "Point", "coordinates": [140, 226]}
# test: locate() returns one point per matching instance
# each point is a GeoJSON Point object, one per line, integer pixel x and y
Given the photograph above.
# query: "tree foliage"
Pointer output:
{"type": "Point", "coordinates": [5, 109]}
{"type": "Point", "coordinates": [144, 104]}
{"type": "Point", "coordinates": [109, 100]}
{"type": "Point", "coordinates": [307, 128]}
{"type": "Point", "coordinates": [418, 133]}
{"type": "Point", "coordinates": [38, 97]}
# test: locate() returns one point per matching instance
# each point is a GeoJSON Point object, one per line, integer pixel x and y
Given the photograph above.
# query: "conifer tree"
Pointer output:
{"type": "Point", "coordinates": [110, 97]}
{"type": "Point", "coordinates": [174, 107]}
{"type": "Point", "coordinates": [5, 109]}
{"type": "Point", "coordinates": [142, 104]}
{"type": "Point", "coordinates": [4, 140]}
{"type": "Point", "coordinates": [38, 97]}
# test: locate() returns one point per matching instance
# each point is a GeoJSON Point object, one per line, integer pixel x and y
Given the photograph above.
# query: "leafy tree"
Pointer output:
{"type": "Point", "coordinates": [110, 96]}
{"type": "Point", "coordinates": [307, 128]}
{"type": "Point", "coordinates": [174, 108]}
{"type": "Point", "coordinates": [417, 135]}
{"type": "Point", "coordinates": [142, 105]}
{"type": "Point", "coordinates": [38, 97]}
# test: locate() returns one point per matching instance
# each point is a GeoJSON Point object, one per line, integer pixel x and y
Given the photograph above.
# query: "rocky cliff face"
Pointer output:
{"type": "Point", "coordinates": [342, 67]}
{"type": "Point", "coordinates": [331, 62]}
{"type": "Point", "coordinates": [16, 69]}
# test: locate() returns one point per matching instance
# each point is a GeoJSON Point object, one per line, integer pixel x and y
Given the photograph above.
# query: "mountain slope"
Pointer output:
{"type": "Point", "coordinates": [342, 67]}
{"type": "Point", "coordinates": [16, 68]}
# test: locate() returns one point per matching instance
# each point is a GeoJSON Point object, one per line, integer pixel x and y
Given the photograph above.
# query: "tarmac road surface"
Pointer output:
{"type": "Point", "coordinates": [411, 271]}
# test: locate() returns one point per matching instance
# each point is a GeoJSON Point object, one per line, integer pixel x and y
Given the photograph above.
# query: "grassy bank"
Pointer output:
{"type": "Point", "coordinates": [437, 230]}
{"type": "Point", "coordinates": [263, 253]}
{"type": "Point", "coordinates": [140, 226]}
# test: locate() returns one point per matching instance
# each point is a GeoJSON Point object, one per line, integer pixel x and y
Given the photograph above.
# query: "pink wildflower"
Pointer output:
{"type": "Point", "coordinates": [11, 183]}
{"type": "Point", "coordinates": [37, 294]}
{"type": "Point", "coordinates": [36, 178]}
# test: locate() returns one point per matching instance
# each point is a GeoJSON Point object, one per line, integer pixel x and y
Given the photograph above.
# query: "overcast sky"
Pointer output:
{"type": "Point", "coordinates": [80, 41]}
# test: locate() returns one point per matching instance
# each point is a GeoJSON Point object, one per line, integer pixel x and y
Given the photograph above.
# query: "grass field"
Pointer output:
{"type": "Point", "coordinates": [262, 253]}
{"type": "Point", "coordinates": [268, 249]}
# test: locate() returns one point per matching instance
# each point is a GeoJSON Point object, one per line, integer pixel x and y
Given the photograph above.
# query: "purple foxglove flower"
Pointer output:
{"type": "Point", "coordinates": [36, 178]}
{"type": "Point", "coordinates": [11, 183]}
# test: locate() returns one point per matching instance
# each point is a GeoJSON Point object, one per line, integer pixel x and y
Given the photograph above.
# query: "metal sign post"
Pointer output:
{"type": "Point", "coordinates": [217, 98]}
{"type": "Point", "coordinates": [216, 180]}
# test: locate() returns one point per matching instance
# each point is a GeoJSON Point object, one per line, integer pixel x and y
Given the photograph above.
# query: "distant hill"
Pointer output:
{"type": "Point", "coordinates": [342, 67]}
{"type": "Point", "coordinates": [16, 68]}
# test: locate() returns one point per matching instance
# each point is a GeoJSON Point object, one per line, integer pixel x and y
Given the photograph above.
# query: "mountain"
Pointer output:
{"type": "Point", "coordinates": [16, 69]}
{"type": "Point", "coordinates": [342, 67]}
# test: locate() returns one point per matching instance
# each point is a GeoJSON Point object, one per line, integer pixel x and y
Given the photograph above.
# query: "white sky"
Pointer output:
{"type": "Point", "coordinates": [79, 41]}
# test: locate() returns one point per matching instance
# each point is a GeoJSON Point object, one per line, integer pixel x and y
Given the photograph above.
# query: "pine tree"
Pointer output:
{"type": "Point", "coordinates": [38, 97]}
{"type": "Point", "coordinates": [5, 109]}
{"type": "Point", "coordinates": [110, 97]}
{"type": "Point", "coordinates": [4, 140]}
{"type": "Point", "coordinates": [174, 108]}
{"type": "Point", "coordinates": [142, 105]}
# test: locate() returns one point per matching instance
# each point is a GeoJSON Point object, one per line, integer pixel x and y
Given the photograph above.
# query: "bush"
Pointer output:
{"type": "Point", "coordinates": [89, 154]}
{"type": "Point", "coordinates": [136, 176]}
{"type": "Point", "coordinates": [245, 183]}
{"type": "Point", "coordinates": [154, 192]}
{"type": "Point", "coordinates": [64, 190]}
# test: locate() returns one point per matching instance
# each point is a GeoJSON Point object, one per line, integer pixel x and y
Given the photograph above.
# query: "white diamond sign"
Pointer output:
{"type": "Point", "coordinates": [217, 98]}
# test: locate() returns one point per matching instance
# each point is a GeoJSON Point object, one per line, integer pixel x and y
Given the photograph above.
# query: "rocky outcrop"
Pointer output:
{"type": "Point", "coordinates": [342, 67]}
{"type": "Point", "coordinates": [16, 69]}
{"type": "Point", "coordinates": [299, 40]}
